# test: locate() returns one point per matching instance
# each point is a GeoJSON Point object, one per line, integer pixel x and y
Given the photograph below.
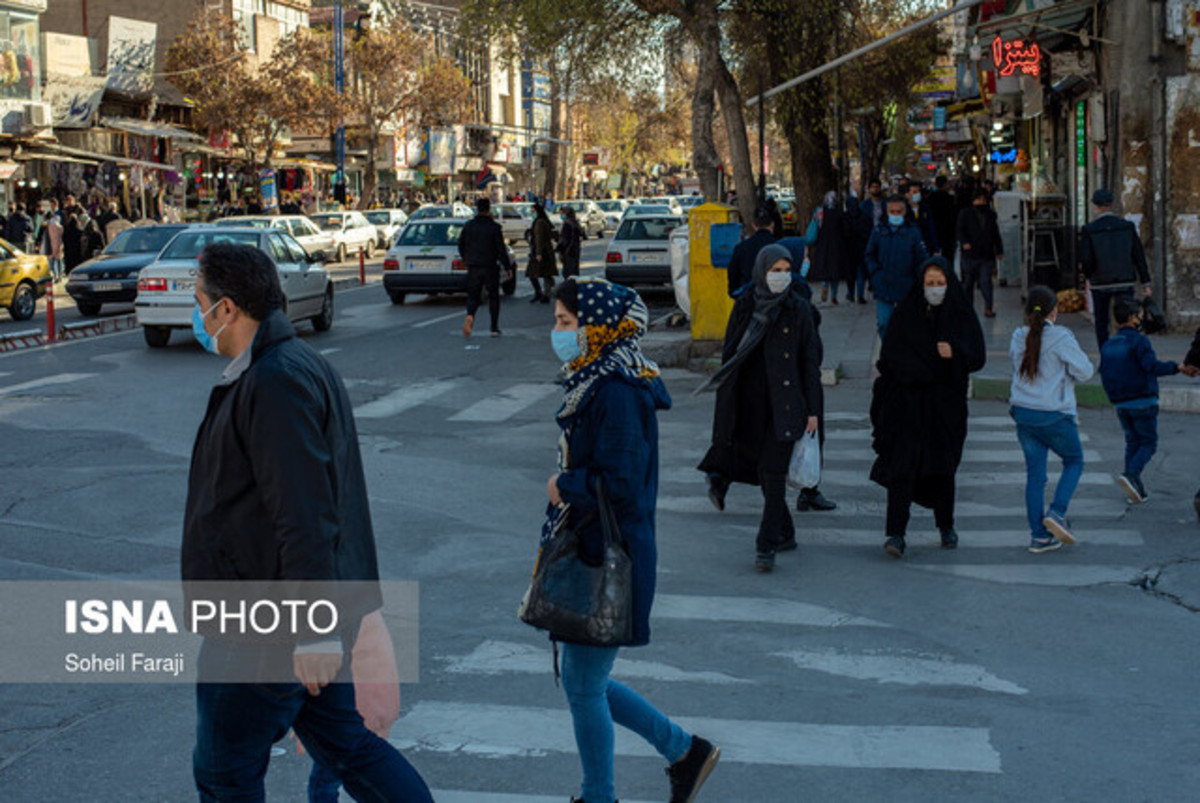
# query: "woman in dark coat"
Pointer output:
{"type": "Point", "coordinates": [831, 258]}
{"type": "Point", "coordinates": [542, 264]}
{"type": "Point", "coordinates": [768, 397]}
{"type": "Point", "coordinates": [610, 436]}
{"type": "Point", "coordinates": [919, 409]}
{"type": "Point", "coordinates": [570, 243]}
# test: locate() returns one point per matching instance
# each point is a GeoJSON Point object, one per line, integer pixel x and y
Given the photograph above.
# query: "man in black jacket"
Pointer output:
{"type": "Point", "coordinates": [1112, 260]}
{"type": "Point", "coordinates": [276, 492]}
{"type": "Point", "coordinates": [741, 261]}
{"type": "Point", "coordinates": [482, 248]}
{"type": "Point", "coordinates": [979, 234]}
{"type": "Point", "coordinates": [944, 208]}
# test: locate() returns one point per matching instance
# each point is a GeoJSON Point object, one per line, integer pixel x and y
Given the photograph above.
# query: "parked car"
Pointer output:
{"type": "Point", "coordinates": [350, 231]}
{"type": "Point", "coordinates": [387, 223]}
{"type": "Point", "coordinates": [515, 219]}
{"type": "Point", "coordinates": [614, 210]}
{"type": "Point", "coordinates": [686, 202]}
{"type": "Point", "coordinates": [111, 276]}
{"type": "Point", "coordinates": [455, 210]}
{"type": "Point", "coordinates": [648, 209]}
{"type": "Point", "coordinates": [24, 278]}
{"type": "Point", "coordinates": [639, 253]}
{"type": "Point", "coordinates": [590, 216]}
{"type": "Point", "coordinates": [668, 200]}
{"type": "Point", "coordinates": [166, 287]}
{"type": "Point", "coordinates": [425, 259]}
{"type": "Point", "coordinates": [527, 209]}
{"type": "Point", "coordinates": [314, 239]}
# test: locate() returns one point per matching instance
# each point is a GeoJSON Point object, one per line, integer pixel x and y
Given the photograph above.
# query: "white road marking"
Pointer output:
{"type": "Point", "coordinates": [747, 501]}
{"type": "Point", "coordinates": [901, 669]}
{"type": "Point", "coordinates": [505, 404]}
{"type": "Point", "coordinates": [45, 382]}
{"type": "Point", "coordinates": [495, 731]}
{"type": "Point", "coordinates": [403, 399]}
{"type": "Point", "coordinates": [759, 610]}
{"type": "Point", "coordinates": [450, 796]}
{"type": "Point", "coordinates": [969, 537]}
{"type": "Point", "coordinates": [1045, 574]}
{"type": "Point", "coordinates": [857, 478]}
{"type": "Point", "coordinates": [846, 417]}
{"type": "Point", "coordinates": [1013, 455]}
{"type": "Point", "coordinates": [974, 436]}
{"type": "Point", "coordinates": [439, 319]}
{"type": "Point", "coordinates": [504, 657]}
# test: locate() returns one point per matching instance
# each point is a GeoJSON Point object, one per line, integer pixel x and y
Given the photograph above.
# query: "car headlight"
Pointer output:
{"type": "Point", "coordinates": [78, 278]}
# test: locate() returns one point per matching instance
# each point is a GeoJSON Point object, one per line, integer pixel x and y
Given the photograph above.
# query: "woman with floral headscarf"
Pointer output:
{"type": "Point", "coordinates": [610, 435]}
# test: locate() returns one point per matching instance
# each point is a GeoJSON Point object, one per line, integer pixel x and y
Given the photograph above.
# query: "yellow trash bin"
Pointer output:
{"type": "Point", "coordinates": [707, 285]}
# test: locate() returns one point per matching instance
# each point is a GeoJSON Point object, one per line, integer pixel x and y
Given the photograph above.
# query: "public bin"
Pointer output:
{"type": "Point", "coordinates": [707, 284]}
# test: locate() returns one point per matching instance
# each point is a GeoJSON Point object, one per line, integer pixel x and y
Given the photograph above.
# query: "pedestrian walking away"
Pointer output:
{"type": "Point", "coordinates": [570, 242]}
{"type": "Point", "coordinates": [1047, 362]}
{"type": "Point", "coordinates": [768, 397]}
{"type": "Point", "coordinates": [740, 273]}
{"type": "Point", "coordinates": [1112, 260]}
{"type": "Point", "coordinates": [918, 213]}
{"type": "Point", "coordinates": [482, 248]}
{"type": "Point", "coordinates": [979, 233]}
{"type": "Point", "coordinates": [543, 267]}
{"type": "Point", "coordinates": [830, 257]}
{"type": "Point", "coordinates": [609, 424]}
{"type": "Point", "coordinates": [894, 255]}
{"type": "Point", "coordinates": [276, 492]}
{"type": "Point", "coordinates": [1129, 370]}
{"type": "Point", "coordinates": [919, 404]}
{"type": "Point", "coordinates": [944, 208]}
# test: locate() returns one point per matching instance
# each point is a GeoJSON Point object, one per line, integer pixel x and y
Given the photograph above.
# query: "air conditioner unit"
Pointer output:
{"type": "Point", "coordinates": [39, 115]}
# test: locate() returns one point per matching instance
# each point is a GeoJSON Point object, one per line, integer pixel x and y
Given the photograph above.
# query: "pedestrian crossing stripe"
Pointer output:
{"type": "Point", "coordinates": [44, 382]}
{"type": "Point", "coordinates": [1070, 575]}
{"type": "Point", "coordinates": [969, 538]}
{"type": "Point", "coordinates": [403, 399]}
{"type": "Point", "coordinates": [507, 732]}
{"type": "Point", "coordinates": [458, 796]}
{"type": "Point", "coordinates": [970, 455]}
{"type": "Point", "coordinates": [758, 610]}
{"type": "Point", "coordinates": [747, 502]}
{"type": "Point", "coordinates": [901, 669]}
{"type": "Point", "coordinates": [858, 478]}
{"type": "Point", "coordinates": [833, 436]}
{"type": "Point", "coordinates": [505, 404]}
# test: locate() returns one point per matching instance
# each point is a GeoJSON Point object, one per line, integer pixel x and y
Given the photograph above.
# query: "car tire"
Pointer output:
{"type": "Point", "coordinates": [396, 296]}
{"type": "Point", "coordinates": [370, 249]}
{"type": "Point", "coordinates": [157, 337]}
{"type": "Point", "coordinates": [323, 321]}
{"type": "Point", "coordinates": [24, 302]}
{"type": "Point", "coordinates": [340, 253]}
{"type": "Point", "coordinates": [87, 309]}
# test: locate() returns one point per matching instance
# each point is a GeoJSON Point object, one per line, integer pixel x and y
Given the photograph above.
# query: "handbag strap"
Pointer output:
{"type": "Point", "coordinates": [608, 517]}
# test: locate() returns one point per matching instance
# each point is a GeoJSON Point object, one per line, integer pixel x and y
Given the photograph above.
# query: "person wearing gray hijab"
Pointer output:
{"type": "Point", "coordinates": [768, 396]}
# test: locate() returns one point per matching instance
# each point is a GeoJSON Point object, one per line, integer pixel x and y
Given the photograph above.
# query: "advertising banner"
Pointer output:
{"type": "Point", "coordinates": [131, 55]}
{"type": "Point", "coordinates": [270, 193]}
{"type": "Point", "coordinates": [74, 101]}
{"type": "Point", "coordinates": [441, 152]}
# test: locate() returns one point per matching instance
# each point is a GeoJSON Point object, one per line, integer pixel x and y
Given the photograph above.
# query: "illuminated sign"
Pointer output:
{"type": "Point", "coordinates": [1003, 157]}
{"type": "Point", "coordinates": [1016, 55]}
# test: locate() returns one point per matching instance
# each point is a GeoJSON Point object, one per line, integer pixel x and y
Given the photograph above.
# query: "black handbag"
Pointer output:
{"type": "Point", "coordinates": [579, 602]}
{"type": "Point", "coordinates": [1153, 320]}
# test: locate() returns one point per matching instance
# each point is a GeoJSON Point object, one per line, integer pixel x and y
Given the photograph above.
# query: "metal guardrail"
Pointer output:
{"type": "Point", "coordinates": [28, 338]}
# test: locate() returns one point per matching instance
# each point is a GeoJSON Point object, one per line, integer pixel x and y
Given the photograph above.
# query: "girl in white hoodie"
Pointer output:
{"type": "Point", "coordinates": [1047, 362]}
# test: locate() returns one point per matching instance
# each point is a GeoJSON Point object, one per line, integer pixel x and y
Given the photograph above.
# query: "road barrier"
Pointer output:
{"type": "Point", "coordinates": [22, 340]}
{"type": "Point", "coordinates": [362, 266]}
{"type": "Point", "coordinates": [99, 326]}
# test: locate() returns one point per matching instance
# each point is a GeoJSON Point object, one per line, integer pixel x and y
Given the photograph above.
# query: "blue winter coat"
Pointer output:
{"type": "Point", "coordinates": [893, 258]}
{"type": "Point", "coordinates": [614, 437]}
{"type": "Point", "coordinates": [1129, 368]}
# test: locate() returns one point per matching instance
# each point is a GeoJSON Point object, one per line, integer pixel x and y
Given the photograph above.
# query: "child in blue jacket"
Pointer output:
{"type": "Point", "coordinates": [1130, 370]}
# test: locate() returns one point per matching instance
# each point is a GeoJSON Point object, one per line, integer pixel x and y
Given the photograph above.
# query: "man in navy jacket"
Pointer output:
{"type": "Point", "coordinates": [894, 254]}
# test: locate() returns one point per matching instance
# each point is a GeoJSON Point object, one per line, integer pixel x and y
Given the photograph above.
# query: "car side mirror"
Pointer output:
{"type": "Point", "coordinates": [318, 258]}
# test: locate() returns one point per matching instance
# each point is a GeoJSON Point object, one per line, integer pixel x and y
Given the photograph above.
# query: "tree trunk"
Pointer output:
{"type": "Point", "coordinates": [549, 184]}
{"type": "Point", "coordinates": [739, 142]}
{"type": "Point", "coordinates": [812, 169]}
{"type": "Point", "coordinates": [371, 174]}
{"type": "Point", "coordinates": [704, 149]}
{"type": "Point", "coordinates": [566, 157]}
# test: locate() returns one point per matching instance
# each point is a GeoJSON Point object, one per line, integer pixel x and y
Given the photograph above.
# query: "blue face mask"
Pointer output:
{"type": "Point", "coordinates": [566, 344]}
{"type": "Point", "coordinates": [207, 341]}
{"type": "Point", "coordinates": [896, 220]}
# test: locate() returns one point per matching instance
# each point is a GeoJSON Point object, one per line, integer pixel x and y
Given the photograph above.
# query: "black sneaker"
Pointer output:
{"type": "Point", "coordinates": [1142, 489]}
{"type": "Point", "coordinates": [894, 546]}
{"type": "Point", "coordinates": [689, 773]}
{"type": "Point", "coordinates": [814, 501]}
{"type": "Point", "coordinates": [949, 538]}
{"type": "Point", "coordinates": [1131, 488]}
{"type": "Point", "coordinates": [717, 488]}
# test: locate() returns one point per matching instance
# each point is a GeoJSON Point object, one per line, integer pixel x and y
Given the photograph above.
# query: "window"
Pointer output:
{"type": "Point", "coordinates": [658, 228]}
{"type": "Point", "coordinates": [20, 56]}
{"type": "Point", "coordinates": [140, 241]}
{"type": "Point", "coordinates": [296, 250]}
{"type": "Point", "coordinates": [278, 249]}
{"type": "Point", "coordinates": [430, 234]}
{"type": "Point", "coordinates": [188, 245]}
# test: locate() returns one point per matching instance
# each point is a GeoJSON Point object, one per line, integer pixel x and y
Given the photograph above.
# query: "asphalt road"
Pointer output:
{"type": "Point", "coordinates": [981, 674]}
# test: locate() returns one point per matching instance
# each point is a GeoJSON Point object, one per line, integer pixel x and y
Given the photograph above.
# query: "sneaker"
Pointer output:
{"type": "Point", "coordinates": [1130, 487]}
{"type": "Point", "coordinates": [764, 562]}
{"type": "Point", "coordinates": [1142, 489]}
{"type": "Point", "coordinates": [1048, 544]}
{"type": "Point", "coordinates": [894, 546]}
{"type": "Point", "coordinates": [814, 501]}
{"type": "Point", "coordinates": [689, 773]}
{"type": "Point", "coordinates": [949, 538]}
{"type": "Point", "coordinates": [1058, 527]}
{"type": "Point", "coordinates": [717, 488]}
{"type": "Point", "coordinates": [468, 325]}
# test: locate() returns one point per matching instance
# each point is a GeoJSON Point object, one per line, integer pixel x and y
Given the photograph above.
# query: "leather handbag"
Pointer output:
{"type": "Point", "coordinates": [579, 602]}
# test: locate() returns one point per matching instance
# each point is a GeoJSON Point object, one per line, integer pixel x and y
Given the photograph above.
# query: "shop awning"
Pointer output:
{"type": "Point", "coordinates": [305, 164]}
{"type": "Point", "coordinates": [55, 153]}
{"type": "Point", "coordinates": [1065, 18]}
{"type": "Point", "coordinates": [149, 128]}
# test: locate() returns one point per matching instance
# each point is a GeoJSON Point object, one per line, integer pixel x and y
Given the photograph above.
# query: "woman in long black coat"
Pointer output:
{"type": "Point", "coordinates": [768, 396]}
{"type": "Point", "coordinates": [831, 259]}
{"type": "Point", "coordinates": [919, 409]}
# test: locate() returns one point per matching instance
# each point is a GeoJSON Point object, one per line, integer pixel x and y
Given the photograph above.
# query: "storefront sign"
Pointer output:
{"type": "Point", "coordinates": [1081, 134]}
{"type": "Point", "coordinates": [74, 101]}
{"type": "Point", "coordinates": [66, 56]}
{"type": "Point", "coordinates": [1008, 156]}
{"type": "Point", "coordinates": [939, 118]}
{"type": "Point", "coordinates": [441, 152]}
{"type": "Point", "coordinates": [131, 54]}
{"type": "Point", "coordinates": [1016, 56]}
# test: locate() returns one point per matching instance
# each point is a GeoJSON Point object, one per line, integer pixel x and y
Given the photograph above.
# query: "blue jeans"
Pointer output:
{"type": "Point", "coordinates": [883, 314]}
{"type": "Point", "coordinates": [323, 784]}
{"type": "Point", "coordinates": [1041, 432]}
{"type": "Point", "coordinates": [596, 702]}
{"type": "Point", "coordinates": [1102, 307]}
{"type": "Point", "coordinates": [1141, 438]}
{"type": "Point", "coordinates": [237, 723]}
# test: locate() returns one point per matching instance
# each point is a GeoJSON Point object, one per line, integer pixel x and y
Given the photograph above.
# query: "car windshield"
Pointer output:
{"type": "Point", "coordinates": [252, 222]}
{"type": "Point", "coordinates": [647, 228]}
{"type": "Point", "coordinates": [379, 218]}
{"type": "Point", "coordinates": [430, 234]}
{"type": "Point", "coordinates": [426, 212]}
{"type": "Point", "coordinates": [649, 209]}
{"type": "Point", "coordinates": [691, 200]}
{"type": "Point", "coordinates": [188, 245]}
{"type": "Point", "coordinates": [140, 241]}
{"type": "Point", "coordinates": [610, 206]}
{"type": "Point", "coordinates": [328, 222]}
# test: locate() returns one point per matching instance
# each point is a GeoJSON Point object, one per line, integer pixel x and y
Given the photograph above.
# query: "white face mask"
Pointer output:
{"type": "Point", "coordinates": [935, 295]}
{"type": "Point", "coordinates": [778, 282]}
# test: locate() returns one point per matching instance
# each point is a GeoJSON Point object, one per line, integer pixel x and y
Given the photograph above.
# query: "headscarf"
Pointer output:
{"type": "Point", "coordinates": [614, 318]}
{"type": "Point", "coordinates": [766, 310]}
{"type": "Point", "coordinates": [831, 199]}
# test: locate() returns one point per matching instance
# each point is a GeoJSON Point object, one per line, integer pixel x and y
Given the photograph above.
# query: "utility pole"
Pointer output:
{"type": "Point", "coordinates": [762, 143]}
{"type": "Point", "coordinates": [839, 142]}
{"type": "Point", "coordinates": [339, 77]}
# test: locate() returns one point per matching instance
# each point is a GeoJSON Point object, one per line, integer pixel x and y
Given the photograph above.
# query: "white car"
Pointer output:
{"type": "Point", "coordinates": [350, 231]}
{"type": "Point", "coordinates": [455, 210]}
{"type": "Point", "coordinates": [166, 287]}
{"type": "Point", "coordinates": [590, 216]}
{"type": "Point", "coordinates": [640, 252]}
{"type": "Point", "coordinates": [316, 242]}
{"type": "Point", "coordinates": [387, 223]}
{"type": "Point", "coordinates": [515, 219]}
{"type": "Point", "coordinates": [686, 202]}
{"type": "Point", "coordinates": [425, 259]}
{"type": "Point", "coordinates": [649, 209]}
{"type": "Point", "coordinates": [614, 210]}
{"type": "Point", "coordinates": [670, 201]}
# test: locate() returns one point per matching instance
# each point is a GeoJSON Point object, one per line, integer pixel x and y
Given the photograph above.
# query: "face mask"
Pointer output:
{"type": "Point", "coordinates": [935, 295]}
{"type": "Point", "coordinates": [896, 220]}
{"type": "Point", "coordinates": [209, 342]}
{"type": "Point", "coordinates": [778, 282]}
{"type": "Point", "coordinates": [916, 198]}
{"type": "Point", "coordinates": [566, 344]}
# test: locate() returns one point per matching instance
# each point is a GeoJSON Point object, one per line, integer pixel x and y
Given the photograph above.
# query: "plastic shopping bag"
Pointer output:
{"type": "Point", "coordinates": [804, 471]}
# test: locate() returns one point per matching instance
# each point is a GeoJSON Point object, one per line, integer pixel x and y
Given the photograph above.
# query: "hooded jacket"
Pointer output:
{"type": "Point", "coordinates": [1062, 363]}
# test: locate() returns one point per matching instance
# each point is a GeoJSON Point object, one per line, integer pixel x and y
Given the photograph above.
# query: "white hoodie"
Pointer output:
{"type": "Point", "coordinates": [1062, 363]}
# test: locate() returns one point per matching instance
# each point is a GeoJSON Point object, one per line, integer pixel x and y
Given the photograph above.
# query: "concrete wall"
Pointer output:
{"type": "Point", "coordinates": [1183, 197]}
{"type": "Point", "coordinates": [64, 16]}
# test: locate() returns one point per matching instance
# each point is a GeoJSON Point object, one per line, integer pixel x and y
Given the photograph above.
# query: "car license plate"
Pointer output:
{"type": "Point", "coordinates": [430, 265]}
{"type": "Point", "coordinates": [645, 259]}
{"type": "Point", "coordinates": [183, 284]}
{"type": "Point", "coordinates": [106, 287]}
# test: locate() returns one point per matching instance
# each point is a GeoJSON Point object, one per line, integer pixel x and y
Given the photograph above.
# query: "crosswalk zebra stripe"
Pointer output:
{"type": "Point", "coordinates": [970, 455]}
{"type": "Point", "coordinates": [449, 796]}
{"type": "Point", "coordinates": [747, 501]}
{"type": "Point", "coordinates": [975, 436]}
{"type": "Point", "coordinates": [901, 669]}
{"type": "Point", "coordinates": [505, 404]}
{"type": "Point", "coordinates": [857, 478]}
{"type": "Point", "coordinates": [403, 399]}
{"type": "Point", "coordinates": [503, 657]}
{"type": "Point", "coordinates": [760, 610]}
{"type": "Point", "coordinates": [969, 537]}
{"type": "Point", "coordinates": [505, 732]}
{"type": "Point", "coordinates": [1044, 574]}
{"type": "Point", "coordinates": [44, 382]}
